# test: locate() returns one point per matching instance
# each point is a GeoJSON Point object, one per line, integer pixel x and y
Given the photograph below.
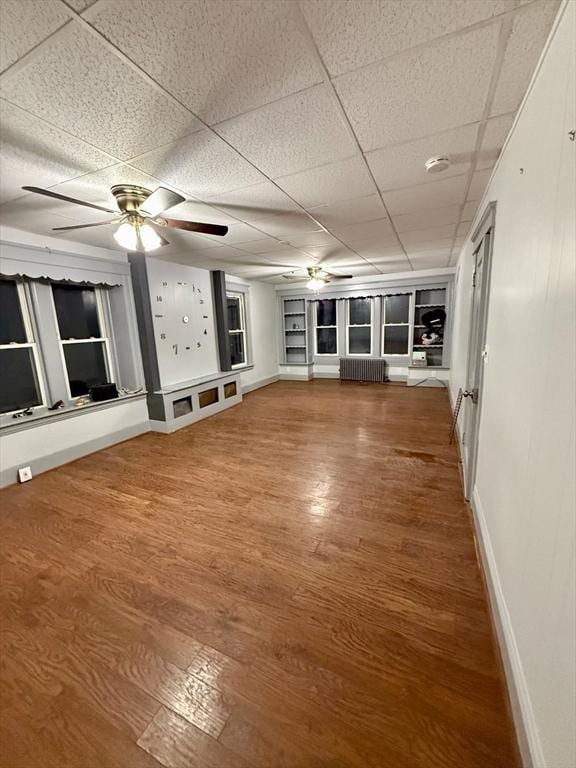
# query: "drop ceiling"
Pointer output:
{"type": "Point", "coordinates": [303, 126]}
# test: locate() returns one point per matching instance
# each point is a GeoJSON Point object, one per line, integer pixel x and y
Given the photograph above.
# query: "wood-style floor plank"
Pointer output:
{"type": "Point", "coordinates": [292, 583]}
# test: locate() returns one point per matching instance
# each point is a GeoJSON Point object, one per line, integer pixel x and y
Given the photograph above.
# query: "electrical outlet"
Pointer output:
{"type": "Point", "coordinates": [24, 474]}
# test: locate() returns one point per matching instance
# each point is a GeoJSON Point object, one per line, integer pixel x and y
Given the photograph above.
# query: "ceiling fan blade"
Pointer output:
{"type": "Point", "coordinates": [48, 193]}
{"type": "Point", "coordinates": [196, 226]}
{"type": "Point", "coordinates": [160, 200]}
{"type": "Point", "coordinates": [294, 277]}
{"type": "Point", "coordinates": [330, 276]}
{"type": "Point", "coordinates": [83, 226]}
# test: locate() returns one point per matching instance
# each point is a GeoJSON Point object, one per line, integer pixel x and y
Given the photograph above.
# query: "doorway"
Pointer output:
{"type": "Point", "coordinates": [482, 238]}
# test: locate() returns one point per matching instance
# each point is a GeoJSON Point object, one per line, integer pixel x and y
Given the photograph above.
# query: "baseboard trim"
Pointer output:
{"type": "Point", "coordinates": [295, 377]}
{"type": "Point", "coordinates": [524, 721]}
{"type": "Point", "coordinates": [9, 475]}
{"type": "Point", "coordinates": [260, 383]}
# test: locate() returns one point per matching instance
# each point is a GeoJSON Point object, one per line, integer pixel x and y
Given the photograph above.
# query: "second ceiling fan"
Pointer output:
{"type": "Point", "coordinates": [138, 216]}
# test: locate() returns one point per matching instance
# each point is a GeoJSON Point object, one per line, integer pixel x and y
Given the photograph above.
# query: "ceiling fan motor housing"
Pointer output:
{"type": "Point", "coordinates": [129, 197]}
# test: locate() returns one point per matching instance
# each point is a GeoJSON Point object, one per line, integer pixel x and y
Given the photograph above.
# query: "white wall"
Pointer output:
{"type": "Point", "coordinates": [263, 318]}
{"type": "Point", "coordinates": [525, 486]}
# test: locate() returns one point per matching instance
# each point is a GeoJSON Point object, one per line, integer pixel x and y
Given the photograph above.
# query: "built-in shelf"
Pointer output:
{"type": "Point", "coordinates": [295, 339]}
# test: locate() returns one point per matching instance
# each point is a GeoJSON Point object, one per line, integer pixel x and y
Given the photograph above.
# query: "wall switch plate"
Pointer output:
{"type": "Point", "coordinates": [24, 474]}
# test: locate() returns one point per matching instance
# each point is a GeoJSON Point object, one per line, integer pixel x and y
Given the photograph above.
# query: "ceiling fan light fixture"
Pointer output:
{"type": "Point", "coordinates": [315, 283]}
{"type": "Point", "coordinates": [149, 238]}
{"type": "Point", "coordinates": [126, 236]}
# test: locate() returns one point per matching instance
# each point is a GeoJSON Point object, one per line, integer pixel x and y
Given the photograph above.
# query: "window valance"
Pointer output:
{"type": "Point", "coordinates": [379, 294]}
{"type": "Point", "coordinates": [44, 263]}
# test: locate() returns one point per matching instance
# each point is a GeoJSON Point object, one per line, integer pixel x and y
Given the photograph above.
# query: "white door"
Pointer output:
{"type": "Point", "coordinates": [476, 356]}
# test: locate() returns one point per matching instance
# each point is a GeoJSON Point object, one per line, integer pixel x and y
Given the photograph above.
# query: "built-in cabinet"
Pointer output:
{"type": "Point", "coordinates": [295, 329]}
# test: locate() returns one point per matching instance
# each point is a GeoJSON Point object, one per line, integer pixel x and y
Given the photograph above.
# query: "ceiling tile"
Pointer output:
{"type": "Point", "coordinates": [310, 239]}
{"type": "Point", "coordinates": [255, 202]}
{"type": "Point", "coordinates": [298, 132]}
{"type": "Point", "coordinates": [219, 58]}
{"type": "Point", "coordinates": [529, 32]}
{"type": "Point", "coordinates": [286, 224]}
{"type": "Point", "coordinates": [478, 185]}
{"type": "Point", "coordinates": [469, 211]}
{"type": "Point", "coordinates": [378, 252]}
{"type": "Point", "coordinates": [436, 194]}
{"type": "Point", "coordinates": [80, 5]}
{"type": "Point", "coordinates": [426, 217]}
{"type": "Point", "coordinates": [32, 214]}
{"type": "Point", "coordinates": [493, 140]}
{"type": "Point", "coordinates": [403, 165]}
{"type": "Point", "coordinates": [35, 153]}
{"type": "Point", "coordinates": [380, 231]}
{"type": "Point", "coordinates": [463, 229]}
{"type": "Point", "coordinates": [266, 245]}
{"type": "Point", "coordinates": [331, 183]}
{"type": "Point", "coordinates": [391, 267]}
{"type": "Point", "coordinates": [79, 86]}
{"type": "Point", "coordinates": [201, 164]}
{"type": "Point", "coordinates": [350, 35]}
{"type": "Point", "coordinates": [237, 234]}
{"type": "Point", "coordinates": [349, 211]}
{"type": "Point", "coordinates": [429, 261]}
{"type": "Point", "coordinates": [24, 24]}
{"type": "Point", "coordinates": [431, 235]}
{"type": "Point", "coordinates": [421, 92]}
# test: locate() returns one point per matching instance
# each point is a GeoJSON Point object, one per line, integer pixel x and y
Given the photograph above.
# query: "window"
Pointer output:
{"type": "Point", "coordinates": [359, 327]}
{"type": "Point", "coordinates": [20, 385]}
{"type": "Point", "coordinates": [85, 347]}
{"type": "Point", "coordinates": [237, 328]}
{"type": "Point", "coordinates": [326, 327]}
{"type": "Point", "coordinates": [396, 325]}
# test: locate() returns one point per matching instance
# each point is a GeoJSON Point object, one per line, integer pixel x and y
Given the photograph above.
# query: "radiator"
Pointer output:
{"type": "Point", "coordinates": [362, 369]}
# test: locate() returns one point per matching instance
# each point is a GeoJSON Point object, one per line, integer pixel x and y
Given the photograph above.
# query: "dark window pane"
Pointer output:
{"type": "Point", "coordinates": [234, 314]}
{"type": "Point", "coordinates": [86, 366]}
{"type": "Point", "coordinates": [397, 309]}
{"type": "Point", "coordinates": [237, 348]}
{"type": "Point", "coordinates": [359, 340]}
{"type": "Point", "coordinates": [18, 386]}
{"type": "Point", "coordinates": [360, 312]}
{"type": "Point", "coordinates": [11, 322]}
{"type": "Point", "coordinates": [396, 340]}
{"type": "Point", "coordinates": [77, 311]}
{"type": "Point", "coordinates": [326, 341]}
{"type": "Point", "coordinates": [326, 312]}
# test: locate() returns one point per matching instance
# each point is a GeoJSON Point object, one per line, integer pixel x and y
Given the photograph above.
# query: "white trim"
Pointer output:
{"type": "Point", "coordinates": [316, 327]}
{"type": "Point", "coordinates": [31, 343]}
{"type": "Point", "coordinates": [523, 714]}
{"type": "Point", "coordinates": [105, 340]}
{"type": "Point", "coordinates": [359, 325]}
{"type": "Point", "coordinates": [410, 325]}
{"type": "Point", "coordinates": [241, 296]}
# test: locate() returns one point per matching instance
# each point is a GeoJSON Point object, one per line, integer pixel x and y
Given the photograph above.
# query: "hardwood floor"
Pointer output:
{"type": "Point", "coordinates": [289, 584]}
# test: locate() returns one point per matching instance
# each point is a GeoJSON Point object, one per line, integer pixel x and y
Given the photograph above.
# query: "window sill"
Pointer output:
{"type": "Point", "coordinates": [8, 424]}
{"type": "Point", "coordinates": [245, 367]}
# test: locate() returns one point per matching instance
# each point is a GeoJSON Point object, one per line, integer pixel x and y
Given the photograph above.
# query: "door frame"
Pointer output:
{"type": "Point", "coordinates": [485, 227]}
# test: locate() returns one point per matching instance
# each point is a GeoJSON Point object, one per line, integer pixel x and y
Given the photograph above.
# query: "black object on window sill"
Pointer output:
{"type": "Point", "coordinates": [101, 392]}
{"type": "Point", "coordinates": [24, 412]}
{"type": "Point", "coordinates": [58, 404]}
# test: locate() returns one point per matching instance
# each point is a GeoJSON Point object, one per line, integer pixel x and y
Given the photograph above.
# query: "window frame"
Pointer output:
{"type": "Point", "coordinates": [409, 325]}
{"type": "Point", "coordinates": [30, 343]}
{"type": "Point", "coordinates": [242, 330]}
{"type": "Point", "coordinates": [316, 327]}
{"type": "Point", "coordinates": [105, 340]}
{"type": "Point", "coordinates": [359, 325]}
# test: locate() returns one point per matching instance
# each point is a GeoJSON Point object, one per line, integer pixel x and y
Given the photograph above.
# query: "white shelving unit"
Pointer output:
{"type": "Point", "coordinates": [295, 331]}
{"type": "Point", "coordinates": [426, 300]}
